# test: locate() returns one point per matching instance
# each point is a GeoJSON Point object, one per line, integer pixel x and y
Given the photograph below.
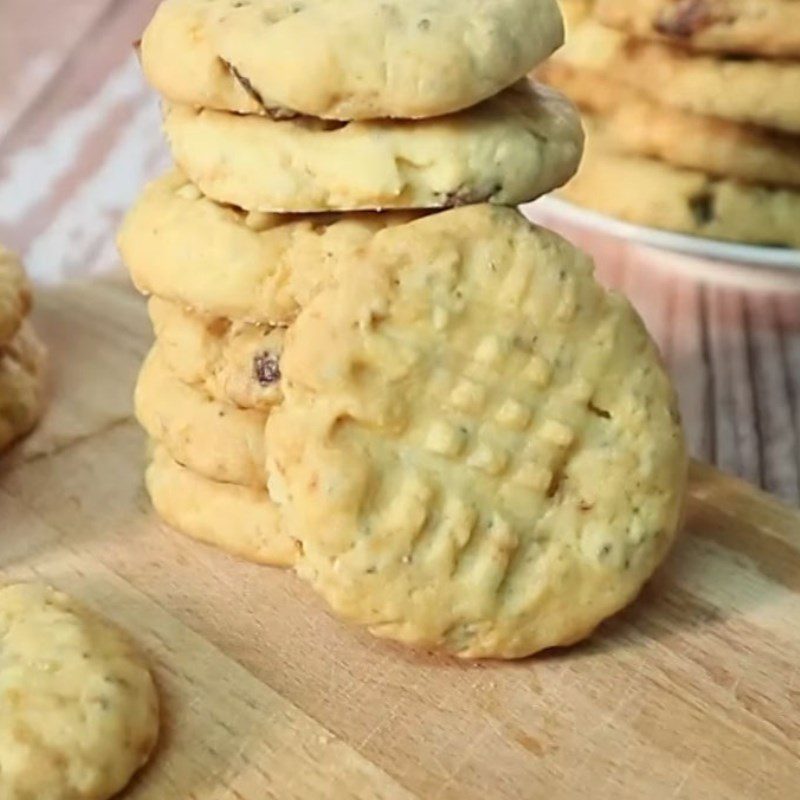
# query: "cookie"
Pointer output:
{"type": "Point", "coordinates": [589, 89]}
{"type": "Point", "coordinates": [650, 192]}
{"type": "Point", "coordinates": [508, 150]}
{"type": "Point", "coordinates": [240, 520]}
{"type": "Point", "coordinates": [22, 384]}
{"type": "Point", "coordinates": [754, 27]}
{"type": "Point", "coordinates": [15, 294]}
{"type": "Point", "coordinates": [765, 90]}
{"type": "Point", "coordinates": [478, 448]}
{"type": "Point", "coordinates": [234, 362]}
{"type": "Point", "coordinates": [574, 12]}
{"type": "Point", "coordinates": [634, 125]}
{"type": "Point", "coordinates": [217, 440]}
{"type": "Point", "coordinates": [345, 59]}
{"type": "Point", "coordinates": [78, 707]}
{"type": "Point", "coordinates": [225, 262]}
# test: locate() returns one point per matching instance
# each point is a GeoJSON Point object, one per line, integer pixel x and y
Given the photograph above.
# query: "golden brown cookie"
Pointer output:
{"type": "Point", "coordinates": [215, 439]}
{"type": "Point", "coordinates": [234, 362]}
{"type": "Point", "coordinates": [478, 447]}
{"type": "Point", "coordinates": [225, 262]}
{"type": "Point", "coordinates": [22, 384]}
{"type": "Point", "coordinates": [345, 59]}
{"type": "Point", "coordinates": [240, 520]}
{"type": "Point", "coordinates": [509, 149]}
{"type": "Point", "coordinates": [634, 125]}
{"type": "Point", "coordinates": [650, 192]}
{"type": "Point", "coordinates": [15, 294]}
{"type": "Point", "coordinates": [753, 91]}
{"type": "Point", "coordinates": [78, 707]}
{"type": "Point", "coordinates": [755, 27]}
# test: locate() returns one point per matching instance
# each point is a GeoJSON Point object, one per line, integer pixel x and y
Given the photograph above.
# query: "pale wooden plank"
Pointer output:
{"type": "Point", "coordinates": [776, 417]}
{"type": "Point", "coordinates": [689, 367]}
{"type": "Point", "coordinates": [787, 311]}
{"type": "Point", "coordinates": [736, 434]}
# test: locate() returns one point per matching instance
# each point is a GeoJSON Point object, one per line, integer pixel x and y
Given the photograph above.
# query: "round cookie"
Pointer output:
{"type": "Point", "coordinates": [715, 146]}
{"type": "Point", "coordinates": [634, 125]}
{"type": "Point", "coordinates": [240, 520]}
{"type": "Point", "coordinates": [650, 192]}
{"type": "Point", "coordinates": [215, 439]}
{"type": "Point", "coordinates": [78, 707]}
{"type": "Point", "coordinates": [225, 262]}
{"type": "Point", "coordinates": [234, 362]}
{"type": "Point", "coordinates": [15, 294]}
{"type": "Point", "coordinates": [508, 150]}
{"type": "Point", "coordinates": [345, 59]}
{"type": "Point", "coordinates": [488, 459]}
{"type": "Point", "coordinates": [765, 90]}
{"type": "Point", "coordinates": [22, 384]}
{"type": "Point", "coordinates": [755, 27]}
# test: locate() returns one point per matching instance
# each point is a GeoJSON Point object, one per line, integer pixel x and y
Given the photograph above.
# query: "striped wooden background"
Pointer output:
{"type": "Point", "coordinates": [80, 133]}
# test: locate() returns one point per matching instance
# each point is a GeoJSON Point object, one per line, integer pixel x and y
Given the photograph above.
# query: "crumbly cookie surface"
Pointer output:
{"type": "Point", "coordinates": [15, 294]}
{"type": "Point", "coordinates": [233, 362]}
{"type": "Point", "coordinates": [508, 150]}
{"type": "Point", "coordinates": [78, 707]}
{"type": "Point", "coordinates": [22, 384]}
{"type": "Point", "coordinates": [651, 192]}
{"type": "Point", "coordinates": [225, 262]}
{"type": "Point", "coordinates": [239, 520]}
{"type": "Point", "coordinates": [765, 90]}
{"type": "Point", "coordinates": [754, 27]}
{"type": "Point", "coordinates": [218, 440]}
{"type": "Point", "coordinates": [478, 446]}
{"type": "Point", "coordinates": [345, 59]}
{"type": "Point", "coordinates": [634, 125]}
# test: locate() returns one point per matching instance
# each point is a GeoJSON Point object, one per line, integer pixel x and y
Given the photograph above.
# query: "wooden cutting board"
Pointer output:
{"type": "Point", "coordinates": [694, 692]}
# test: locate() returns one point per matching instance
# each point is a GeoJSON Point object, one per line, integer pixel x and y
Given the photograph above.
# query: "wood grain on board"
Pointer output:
{"type": "Point", "coordinates": [694, 692]}
{"type": "Point", "coordinates": [80, 134]}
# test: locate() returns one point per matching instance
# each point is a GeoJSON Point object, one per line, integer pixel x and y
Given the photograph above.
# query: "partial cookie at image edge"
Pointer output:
{"type": "Point", "coordinates": [23, 384]}
{"type": "Point", "coordinates": [81, 727]}
{"type": "Point", "coordinates": [15, 295]}
{"type": "Point", "coordinates": [652, 193]}
{"type": "Point", "coordinates": [768, 28]}
{"type": "Point", "coordinates": [635, 125]}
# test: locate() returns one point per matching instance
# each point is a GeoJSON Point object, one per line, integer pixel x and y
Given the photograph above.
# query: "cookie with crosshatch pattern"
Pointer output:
{"type": "Point", "coordinates": [479, 449]}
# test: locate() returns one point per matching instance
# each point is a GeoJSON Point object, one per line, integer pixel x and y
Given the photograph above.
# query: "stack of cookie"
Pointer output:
{"type": "Point", "coordinates": [22, 355]}
{"type": "Point", "coordinates": [694, 113]}
{"type": "Point", "coordinates": [414, 404]}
